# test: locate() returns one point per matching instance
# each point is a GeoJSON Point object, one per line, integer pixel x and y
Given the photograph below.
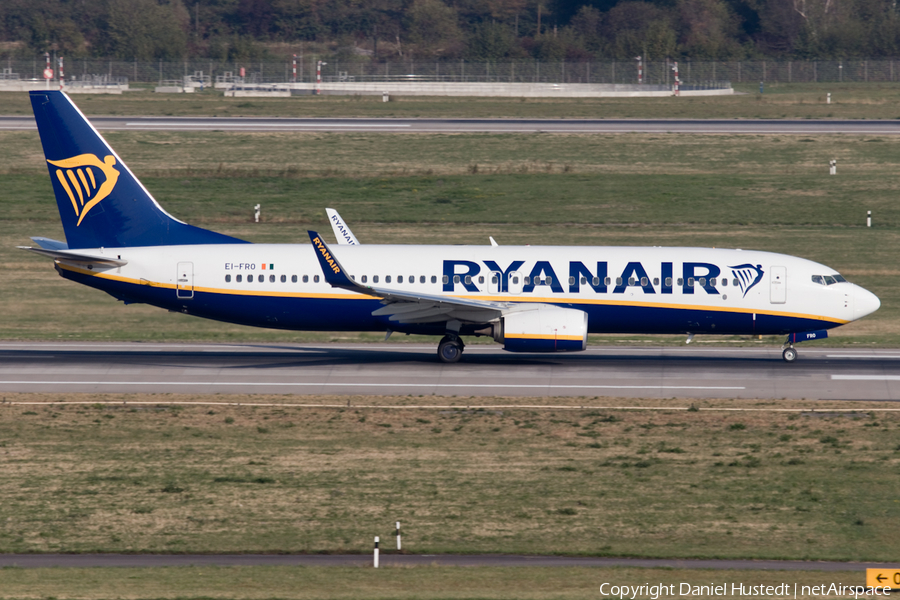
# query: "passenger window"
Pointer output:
{"type": "Point", "coordinates": [262, 278]}
{"type": "Point", "coordinates": [228, 279]}
{"type": "Point", "coordinates": [293, 279]}
{"type": "Point", "coordinates": [316, 279]}
{"type": "Point", "coordinates": [618, 281]}
{"type": "Point", "coordinates": [306, 279]}
{"type": "Point", "coordinates": [374, 278]}
{"type": "Point", "coordinates": [284, 279]}
{"type": "Point", "coordinates": [444, 279]}
{"type": "Point", "coordinates": [548, 281]}
{"type": "Point", "coordinates": [249, 278]}
{"type": "Point", "coordinates": [515, 280]}
{"type": "Point", "coordinates": [412, 278]}
{"type": "Point", "coordinates": [668, 282]}
{"type": "Point", "coordinates": [399, 278]}
{"type": "Point", "coordinates": [631, 281]}
{"type": "Point", "coordinates": [365, 278]}
{"type": "Point", "coordinates": [387, 278]}
{"type": "Point", "coordinates": [238, 278]}
{"type": "Point", "coordinates": [702, 281]}
{"type": "Point", "coordinates": [680, 281]}
{"type": "Point", "coordinates": [528, 280]}
{"type": "Point", "coordinates": [734, 281]}
{"type": "Point", "coordinates": [468, 280]}
{"type": "Point", "coordinates": [456, 279]}
{"type": "Point", "coordinates": [607, 281]}
{"type": "Point", "coordinates": [271, 279]}
{"type": "Point", "coordinates": [422, 279]}
{"type": "Point", "coordinates": [495, 280]}
{"type": "Point", "coordinates": [481, 279]}
{"type": "Point", "coordinates": [644, 281]}
{"type": "Point", "coordinates": [596, 281]}
{"type": "Point", "coordinates": [572, 280]}
{"type": "Point", "coordinates": [712, 281]}
{"type": "Point", "coordinates": [724, 282]}
{"type": "Point", "coordinates": [690, 282]}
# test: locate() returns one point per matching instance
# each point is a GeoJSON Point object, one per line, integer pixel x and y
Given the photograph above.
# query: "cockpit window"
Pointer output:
{"type": "Point", "coordinates": [828, 279]}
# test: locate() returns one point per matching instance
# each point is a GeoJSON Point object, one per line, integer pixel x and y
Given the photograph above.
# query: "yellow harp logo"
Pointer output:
{"type": "Point", "coordinates": [79, 176]}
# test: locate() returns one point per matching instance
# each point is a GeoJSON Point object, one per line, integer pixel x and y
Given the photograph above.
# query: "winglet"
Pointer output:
{"type": "Point", "coordinates": [341, 230]}
{"type": "Point", "coordinates": [334, 273]}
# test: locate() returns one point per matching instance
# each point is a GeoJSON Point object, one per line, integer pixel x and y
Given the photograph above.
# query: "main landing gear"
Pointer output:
{"type": "Point", "coordinates": [450, 349]}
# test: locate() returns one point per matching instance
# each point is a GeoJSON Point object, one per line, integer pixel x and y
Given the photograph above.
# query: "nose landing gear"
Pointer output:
{"type": "Point", "coordinates": [789, 354]}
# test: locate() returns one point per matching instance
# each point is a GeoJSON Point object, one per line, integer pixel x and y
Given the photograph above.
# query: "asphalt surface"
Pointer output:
{"type": "Point", "coordinates": [387, 559]}
{"type": "Point", "coordinates": [729, 126]}
{"type": "Point", "coordinates": [413, 369]}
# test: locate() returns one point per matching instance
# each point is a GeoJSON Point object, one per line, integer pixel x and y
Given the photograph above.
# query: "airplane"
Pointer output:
{"type": "Point", "coordinates": [528, 298]}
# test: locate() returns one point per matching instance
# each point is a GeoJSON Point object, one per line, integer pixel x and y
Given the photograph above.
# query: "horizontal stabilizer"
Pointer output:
{"type": "Point", "coordinates": [48, 244]}
{"type": "Point", "coordinates": [77, 257]}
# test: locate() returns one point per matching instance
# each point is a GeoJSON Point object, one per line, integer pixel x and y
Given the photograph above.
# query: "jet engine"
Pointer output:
{"type": "Point", "coordinates": [541, 328]}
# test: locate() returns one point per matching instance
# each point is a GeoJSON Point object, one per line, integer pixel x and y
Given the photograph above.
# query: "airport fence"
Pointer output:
{"type": "Point", "coordinates": [706, 73]}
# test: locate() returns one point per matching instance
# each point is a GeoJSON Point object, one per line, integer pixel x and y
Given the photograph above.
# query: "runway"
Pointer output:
{"type": "Point", "coordinates": [387, 559]}
{"type": "Point", "coordinates": [413, 369]}
{"type": "Point", "coordinates": [388, 125]}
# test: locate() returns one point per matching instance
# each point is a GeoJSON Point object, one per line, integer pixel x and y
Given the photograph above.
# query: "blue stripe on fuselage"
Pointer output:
{"type": "Point", "coordinates": [354, 314]}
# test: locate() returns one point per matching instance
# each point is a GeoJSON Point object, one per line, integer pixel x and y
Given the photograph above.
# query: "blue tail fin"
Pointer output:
{"type": "Point", "coordinates": [101, 202]}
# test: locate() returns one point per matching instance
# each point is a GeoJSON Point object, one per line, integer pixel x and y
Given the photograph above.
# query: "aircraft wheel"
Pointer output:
{"type": "Point", "coordinates": [789, 355]}
{"type": "Point", "coordinates": [450, 350]}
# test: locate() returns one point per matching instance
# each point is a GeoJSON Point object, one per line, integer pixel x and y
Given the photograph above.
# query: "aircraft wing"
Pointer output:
{"type": "Point", "coordinates": [402, 306]}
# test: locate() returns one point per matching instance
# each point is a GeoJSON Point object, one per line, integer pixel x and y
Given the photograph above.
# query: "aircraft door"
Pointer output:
{"type": "Point", "coordinates": [778, 285]}
{"type": "Point", "coordinates": [494, 279]}
{"type": "Point", "coordinates": [184, 280]}
{"type": "Point", "coordinates": [515, 283]}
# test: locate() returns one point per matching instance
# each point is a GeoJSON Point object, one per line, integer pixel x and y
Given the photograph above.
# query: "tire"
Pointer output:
{"type": "Point", "coordinates": [789, 355]}
{"type": "Point", "coordinates": [450, 351]}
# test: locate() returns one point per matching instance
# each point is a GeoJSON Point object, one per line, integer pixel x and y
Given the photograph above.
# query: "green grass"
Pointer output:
{"type": "Point", "coordinates": [129, 477]}
{"type": "Point", "coordinates": [761, 192]}
{"type": "Point", "coordinates": [780, 101]}
{"type": "Point", "coordinates": [426, 583]}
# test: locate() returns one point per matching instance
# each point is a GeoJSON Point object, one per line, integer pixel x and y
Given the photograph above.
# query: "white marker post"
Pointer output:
{"type": "Point", "coordinates": [398, 522]}
{"type": "Point", "coordinates": [828, 100]}
{"type": "Point", "coordinates": [375, 558]}
{"type": "Point", "coordinates": [832, 167]}
{"type": "Point", "coordinates": [868, 224]}
{"type": "Point", "coordinates": [256, 213]}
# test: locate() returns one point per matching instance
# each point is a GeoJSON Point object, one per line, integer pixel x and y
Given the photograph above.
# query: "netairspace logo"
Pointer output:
{"type": "Point", "coordinates": [782, 590]}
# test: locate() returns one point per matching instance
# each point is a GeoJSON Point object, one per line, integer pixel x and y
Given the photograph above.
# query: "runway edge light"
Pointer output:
{"type": "Point", "coordinates": [883, 578]}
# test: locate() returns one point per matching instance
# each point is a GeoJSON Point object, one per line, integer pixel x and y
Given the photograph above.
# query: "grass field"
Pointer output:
{"type": "Point", "coordinates": [425, 583]}
{"type": "Point", "coordinates": [780, 101]}
{"type": "Point", "coordinates": [762, 192]}
{"type": "Point", "coordinates": [130, 477]}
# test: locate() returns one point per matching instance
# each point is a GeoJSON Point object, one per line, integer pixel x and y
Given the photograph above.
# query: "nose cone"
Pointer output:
{"type": "Point", "coordinates": [864, 303]}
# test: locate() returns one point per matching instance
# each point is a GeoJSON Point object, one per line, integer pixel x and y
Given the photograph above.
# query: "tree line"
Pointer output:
{"type": "Point", "coordinates": [474, 30]}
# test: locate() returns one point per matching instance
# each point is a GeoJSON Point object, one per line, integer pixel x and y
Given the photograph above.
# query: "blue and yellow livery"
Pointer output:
{"type": "Point", "coordinates": [528, 298]}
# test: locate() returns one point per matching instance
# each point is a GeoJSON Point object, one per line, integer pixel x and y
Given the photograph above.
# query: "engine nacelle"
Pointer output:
{"type": "Point", "coordinates": [542, 328]}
